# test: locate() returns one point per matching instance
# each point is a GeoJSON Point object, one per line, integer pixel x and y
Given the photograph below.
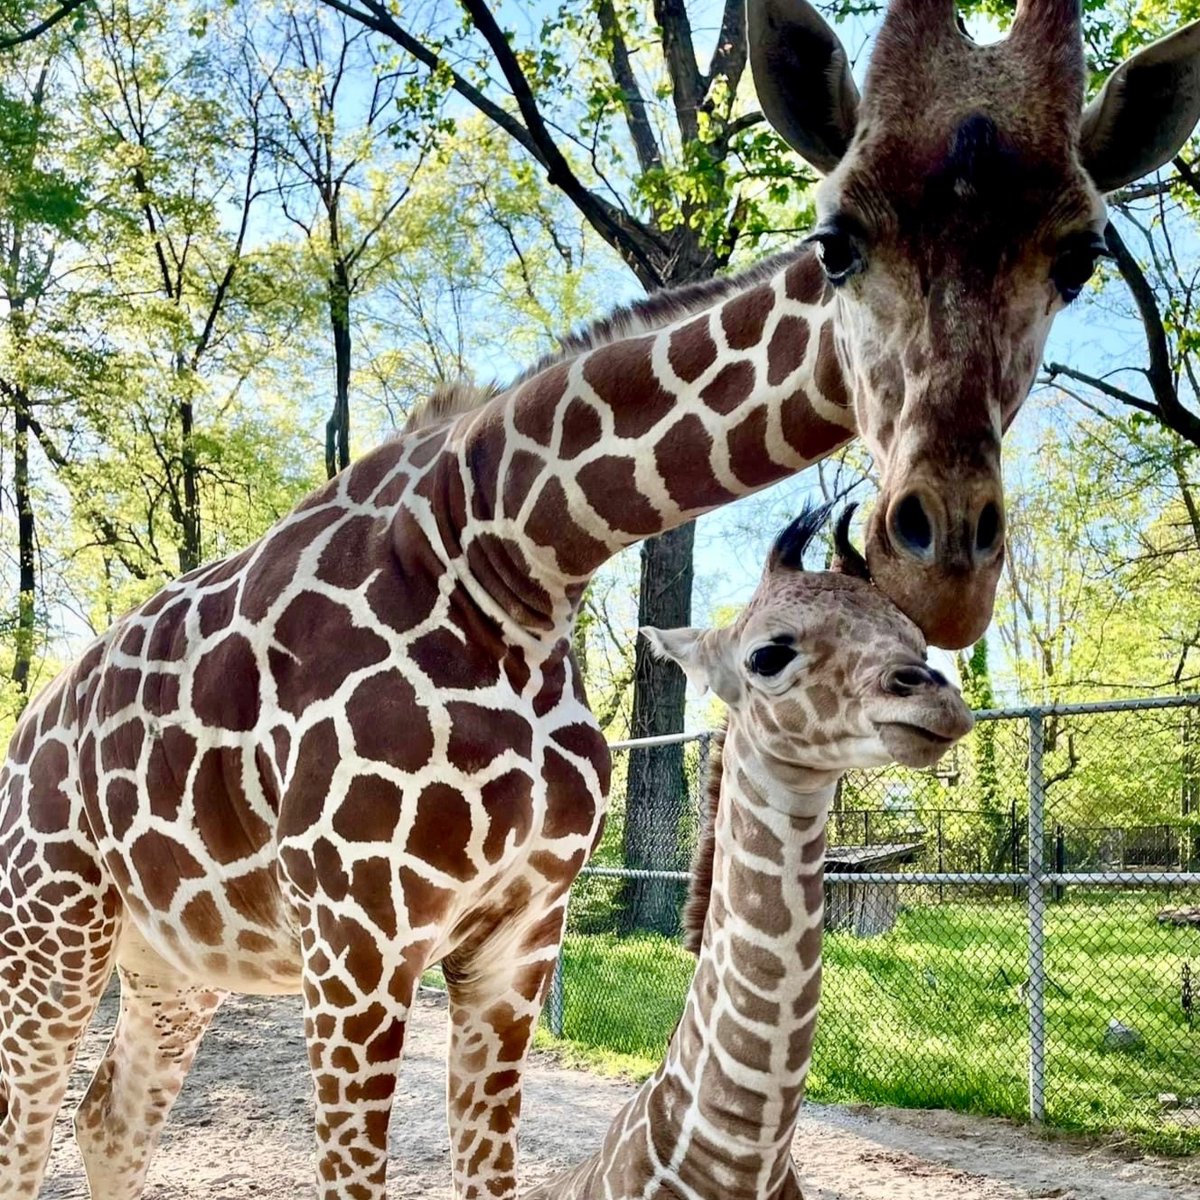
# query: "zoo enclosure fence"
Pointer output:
{"type": "Point", "coordinates": [1015, 932]}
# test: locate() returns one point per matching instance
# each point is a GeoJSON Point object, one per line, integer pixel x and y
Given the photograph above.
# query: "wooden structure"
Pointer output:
{"type": "Point", "coordinates": [865, 909]}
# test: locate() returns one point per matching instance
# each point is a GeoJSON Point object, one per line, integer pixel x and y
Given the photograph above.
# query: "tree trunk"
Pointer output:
{"type": "Point", "coordinates": [190, 551]}
{"type": "Point", "coordinates": [337, 428]}
{"type": "Point", "coordinates": [27, 579]}
{"type": "Point", "coordinates": [657, 789]}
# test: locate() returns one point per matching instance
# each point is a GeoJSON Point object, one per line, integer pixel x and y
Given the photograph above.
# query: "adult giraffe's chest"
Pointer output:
{"type": "Point", "coordinates": [465, 784]}
{"type": "Point", "coordinates": [383, 749]}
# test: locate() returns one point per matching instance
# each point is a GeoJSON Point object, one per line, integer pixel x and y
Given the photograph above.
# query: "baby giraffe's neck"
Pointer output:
{"type": "Point", "coordinates": [717, 1118]}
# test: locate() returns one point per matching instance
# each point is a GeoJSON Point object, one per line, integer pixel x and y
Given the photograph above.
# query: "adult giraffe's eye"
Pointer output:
{"type": "Point", "coordinates": [1076, 264]}
{"type": "Point", "coordinates": [838, 251]}
{"type": "Point", "coordinates": [770, 660]}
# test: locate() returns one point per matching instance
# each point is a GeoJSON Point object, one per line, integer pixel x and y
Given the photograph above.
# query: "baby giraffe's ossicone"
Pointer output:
{"type": "Point", "coordinates": [821, 673]}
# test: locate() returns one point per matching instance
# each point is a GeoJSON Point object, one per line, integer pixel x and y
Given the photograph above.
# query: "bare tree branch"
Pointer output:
{"type": "Point", "coordinates": [729, 54]}
{"type": "Point", "coordinates": [686, 82]}
{"type": "Point", "coordinates": [60, 14]}
{"type": "Point", "coordinates": [1168, 407]}
{"type": "Point", "coordinates": [648, 154]}
{"type": "Point", "coordinates": [1053, 370]}
{"type": "Point", "coordinates": [630, 239]}
{"type": "Point", "coordinates": [1187, 173]}
{"type": "Point", "coordinates": [112, 538]}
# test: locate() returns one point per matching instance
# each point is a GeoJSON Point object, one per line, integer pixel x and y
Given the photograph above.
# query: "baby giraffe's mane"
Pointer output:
{"type": "Point", "coordinates": [695, 911]}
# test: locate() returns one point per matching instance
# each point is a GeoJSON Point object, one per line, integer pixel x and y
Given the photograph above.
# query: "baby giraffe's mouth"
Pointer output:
{"type": "Point", "coordinates": [916, 745]}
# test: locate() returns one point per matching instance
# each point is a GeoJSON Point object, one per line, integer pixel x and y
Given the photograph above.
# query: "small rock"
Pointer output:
{"type": "Point", "coordinates": [1168, 1100]}
{"type": "Point", "coordinates": [1121, 1037]}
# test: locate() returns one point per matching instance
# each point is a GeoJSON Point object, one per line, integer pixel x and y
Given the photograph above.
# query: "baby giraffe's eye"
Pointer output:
{"type": "Point", "coordinates": [770, 660]}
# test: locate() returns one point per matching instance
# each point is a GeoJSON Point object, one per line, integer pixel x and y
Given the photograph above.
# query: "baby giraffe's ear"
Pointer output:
{"type": "Point", "coordinates": [699, 653]}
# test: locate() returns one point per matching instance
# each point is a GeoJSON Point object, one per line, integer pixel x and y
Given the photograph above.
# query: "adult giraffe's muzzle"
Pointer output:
{"type": "Point", "coordinates": [936, 548]}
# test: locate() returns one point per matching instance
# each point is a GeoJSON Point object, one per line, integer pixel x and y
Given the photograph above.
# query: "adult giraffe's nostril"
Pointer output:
{"type": "Point", "coordinates": [910, 526]}
{"type": "Point", "coordinates": [987, 529]}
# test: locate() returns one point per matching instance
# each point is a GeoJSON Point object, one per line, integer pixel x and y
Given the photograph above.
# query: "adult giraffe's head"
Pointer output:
{"type": "Point", "coordinates": [961, 209]}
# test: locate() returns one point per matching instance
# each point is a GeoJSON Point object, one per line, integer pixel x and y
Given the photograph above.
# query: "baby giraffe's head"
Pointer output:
{"type": "Point", "coordinates": [821, 672]}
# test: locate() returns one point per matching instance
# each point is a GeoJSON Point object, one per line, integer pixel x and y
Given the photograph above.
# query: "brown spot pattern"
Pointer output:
{"type": "Point", "coordinates": [744, 316]}
{"type": "Point", "coordinates": [389, 725]}
{"type": "Point", "coordinates": [611, 489]}
{"type": "Point", "coordinates": [225, 685]}
{"type": "Point", "coordinates": [786, 351]}
{"type": "Point", "coordinates": [442, 830]}
{"type": "Point", "coordinates": [691, 350]}
{"type": "Point", "coordinates": [748, 454]}
{"type": "Point", "coordinates": [685, 444]}
{"type": "Point", "coordinates": [622, 375]}
{"type": "Point", "coordinates": [321, 648]}
{"type": "Point", "coordinates": [730, 388]}
{"type": "Point", "coordinates": [580, 429]}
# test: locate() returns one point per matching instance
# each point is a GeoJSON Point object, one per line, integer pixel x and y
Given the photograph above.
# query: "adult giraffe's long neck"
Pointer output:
{"type": "Point", "coordinates": [716, 1120]}
{"type": "Point", "coordinates": [645, 431]}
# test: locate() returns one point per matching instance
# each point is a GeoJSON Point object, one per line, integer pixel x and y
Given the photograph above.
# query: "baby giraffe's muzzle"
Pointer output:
{"type": "Point", "coordinates": [923, 714]}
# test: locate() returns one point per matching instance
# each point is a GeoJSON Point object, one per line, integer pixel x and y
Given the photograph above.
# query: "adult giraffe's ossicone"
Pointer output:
{"type": "Point", "coordinates": [962, 207]}
{"type": "Point", "coordinates": [360, 745]}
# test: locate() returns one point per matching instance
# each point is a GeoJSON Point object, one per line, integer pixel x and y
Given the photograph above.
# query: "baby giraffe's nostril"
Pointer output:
{"type": "Point", "coordinates": [911, 527]}
{"type": "Point", "coordinates": [903, 681]}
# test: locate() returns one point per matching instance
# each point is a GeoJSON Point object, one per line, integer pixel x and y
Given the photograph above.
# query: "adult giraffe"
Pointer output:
{"type": "Point", "coordinates": [359, 746]}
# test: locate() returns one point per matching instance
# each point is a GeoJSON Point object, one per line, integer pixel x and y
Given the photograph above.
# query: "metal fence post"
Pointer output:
{"type": "Point", "coordinates": [1036, 898]}
{"type": "Point", "coordinates": [554, 1002]}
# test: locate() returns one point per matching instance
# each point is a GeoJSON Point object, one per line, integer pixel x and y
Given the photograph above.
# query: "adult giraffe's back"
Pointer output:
{"type": "Point", "coordinates": [359, 746]}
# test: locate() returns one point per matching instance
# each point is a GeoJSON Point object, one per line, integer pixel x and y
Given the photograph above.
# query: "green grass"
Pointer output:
{"type": "Point", "coordinates": [624, 994]}
{"type": "Point", "coordinates": [931, 1013]}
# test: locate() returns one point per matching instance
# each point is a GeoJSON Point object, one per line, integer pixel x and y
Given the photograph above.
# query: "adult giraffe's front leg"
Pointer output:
{"type": "Point", "coordinates": [497, 989]}
{"type": "Point", "coordinates": [358, 991]}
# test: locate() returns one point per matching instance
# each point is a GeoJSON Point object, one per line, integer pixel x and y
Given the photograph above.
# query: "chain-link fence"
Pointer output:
{"type": "Point", "coordinates": [1016, 932]}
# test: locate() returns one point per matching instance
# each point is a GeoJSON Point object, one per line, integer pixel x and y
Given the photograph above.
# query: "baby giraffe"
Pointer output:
{"type": "Point", "coordinates": [821, 673]}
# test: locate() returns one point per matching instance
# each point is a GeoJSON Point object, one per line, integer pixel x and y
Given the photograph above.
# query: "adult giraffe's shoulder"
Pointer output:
{"type": "Point", "coordinates": [360, 745]}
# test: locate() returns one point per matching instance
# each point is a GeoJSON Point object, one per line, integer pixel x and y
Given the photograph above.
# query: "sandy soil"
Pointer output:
{"type": "Point", "coordinates": [241, 1130]}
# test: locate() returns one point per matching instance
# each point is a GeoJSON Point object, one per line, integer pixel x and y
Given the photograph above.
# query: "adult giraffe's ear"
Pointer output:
{"type": "Point", "coordinates": [699, 653]}
{"type": "Point", "coordinates": [803, 79]}
{"type": "Point", "coordinates": [1145, 111]}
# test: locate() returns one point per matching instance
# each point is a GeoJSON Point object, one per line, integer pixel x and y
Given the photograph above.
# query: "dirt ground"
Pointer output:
{"type": "Point", "coordinates": [241, 1130]}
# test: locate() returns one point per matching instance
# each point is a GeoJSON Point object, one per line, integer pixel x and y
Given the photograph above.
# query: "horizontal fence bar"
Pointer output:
{"type": "Point", "coordinates": [1090, 706]}
{"type": "Point", "coordinates": [1167, 879]}
{"type": "Point", "coordinates": [636, 873]}
{"type": "Point", "coordinates": [663, 739]}
{"type": "Point", "coordinates": [982, 714]}
{"type": "Point", "coordinates": [992, 878]}
{"type": "Point", "coordinates": [1106, 878]}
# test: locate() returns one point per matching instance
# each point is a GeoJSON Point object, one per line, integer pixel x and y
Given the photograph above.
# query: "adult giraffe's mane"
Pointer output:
{"type": "Point", "coordinates": [658, 309]}
{"type": "Point", "coordinates": [695, 910]}
{"type": "Point", "coordinates": [644, 315]}
{"type": "Point", "coordinates": [448, 401]}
